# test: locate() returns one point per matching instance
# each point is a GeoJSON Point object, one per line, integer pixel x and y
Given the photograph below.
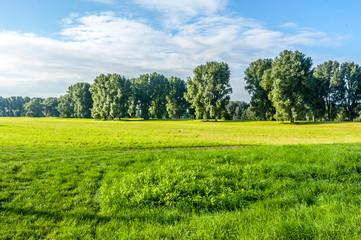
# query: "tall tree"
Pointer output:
{"type": "Point", "coordinates": [324, 84]}
{"type": "Point", "coordinates": [49, 107]}
{"type": "Point", "coordinates": [176, 102]}
{"type": "Point", "coordinates": [123, 95]}
{"type": "Point", "coordinates": [100, 97]}
{"type": "Point", "coordinates": [34, 108]}
{"type": "Point", "coordinates": [254, 75]}
{"type": "Point", "coordinates": [348, 87]}
{"type": "Point", "coordinates": [316, 95]}
{"type": "Point", "coordinates": [110, 95]}
{"type": "Point", "coordinates": [133, 99]}
{"type": "Point", "coordinates": [143, 95]}
{"type": "Point", "coordinates": [82, 99]}
{"type": "Point", "coordinates": [290, 75]}
{"type": "Point", "coordinates": [208, 91]}
{"type": "Point", "coordinates": [158, 85]}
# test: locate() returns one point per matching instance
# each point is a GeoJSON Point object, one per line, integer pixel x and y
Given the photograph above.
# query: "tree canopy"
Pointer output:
{"type": "Point", "coordinates": [208, 91]}
{"type": "Point", "coordinates": [34, 108]}
{"type": "Point", "coordinates": [297, 91]}
{"type": "Point", "coordinates": [50, 107]}
{"type": "Point", "coordinates": [82, 99]}
{"type": "Point", "coordinates": [254, 75]}
{"type": "Point", "coordinates": [176, 102]}
{"type": "Point", "coordinates": [290, 76]}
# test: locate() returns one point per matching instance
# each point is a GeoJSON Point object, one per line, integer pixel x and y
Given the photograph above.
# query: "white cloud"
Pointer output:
{"type": "Point", "coordinates": [104, 43]}
{"type": "Point", "coordinates": [178, 12]}
{"type": "Point", "coordinates": [70, 18]}
{"type": "Point", "coordinates": [289, 25]}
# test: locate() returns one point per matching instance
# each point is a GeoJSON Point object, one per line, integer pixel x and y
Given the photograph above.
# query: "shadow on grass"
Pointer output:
{"type": "Point", "coordinates": [86, 216]}
{"type": "Point", "coordinates": [313, 123]}
{"type": "Point", "coordinates": [54, 215]}
{"type": "Point", "coordinates": [232, 121]}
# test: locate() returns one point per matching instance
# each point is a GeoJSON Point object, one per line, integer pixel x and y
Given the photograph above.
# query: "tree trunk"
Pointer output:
{"type": "Point", "coordinates": [329, 112]}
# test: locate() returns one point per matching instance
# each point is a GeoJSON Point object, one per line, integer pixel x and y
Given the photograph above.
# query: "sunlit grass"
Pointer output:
{"type": "Point", "coordinates": [87, 179]}
{"type": "Point", "coordinates": [33, 132]}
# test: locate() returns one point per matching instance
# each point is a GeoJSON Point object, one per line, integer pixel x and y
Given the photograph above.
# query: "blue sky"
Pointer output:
{"type": "Point", "coordinates": [47, 45]}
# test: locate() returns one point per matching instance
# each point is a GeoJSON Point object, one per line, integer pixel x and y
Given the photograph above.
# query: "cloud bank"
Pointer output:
{"type": "Point", "coordinates": [107, 43]}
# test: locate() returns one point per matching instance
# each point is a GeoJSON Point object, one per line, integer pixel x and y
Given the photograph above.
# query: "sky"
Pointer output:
{"type": "Point", "coordinates": [48, 45]}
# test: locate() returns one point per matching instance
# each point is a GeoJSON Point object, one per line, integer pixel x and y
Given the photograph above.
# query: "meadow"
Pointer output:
{"type": "Point", "coordinates": [89, 179]}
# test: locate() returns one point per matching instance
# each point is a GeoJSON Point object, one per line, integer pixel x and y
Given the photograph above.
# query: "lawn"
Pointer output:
{"type": "Point", "coordinates": [88, 179]}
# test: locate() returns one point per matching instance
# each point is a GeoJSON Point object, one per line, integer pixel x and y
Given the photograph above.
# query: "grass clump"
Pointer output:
{"type": "Point", "coordinates": [186, 187]}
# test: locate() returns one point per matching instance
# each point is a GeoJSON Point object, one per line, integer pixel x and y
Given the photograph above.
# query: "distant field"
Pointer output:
{"type": "Point", "coordinates": [88, 179]}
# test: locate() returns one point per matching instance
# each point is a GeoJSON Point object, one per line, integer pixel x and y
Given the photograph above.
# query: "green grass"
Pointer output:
{"type": "Point", "coordinates": [87, 179]}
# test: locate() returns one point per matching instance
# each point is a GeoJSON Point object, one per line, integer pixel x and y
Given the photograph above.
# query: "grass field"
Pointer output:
{"type": "Point", "coordinates": [88, 179]}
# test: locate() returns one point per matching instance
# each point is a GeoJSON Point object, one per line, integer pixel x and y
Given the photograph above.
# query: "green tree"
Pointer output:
{"type": "Point", "coordinates": [2, 107]}
{"type": "Point", "coordinates": [65, 106]}
{"type": "Point", "coordinates": [82, 99]}
{"type": "Point", "coordinates": [348, 88]}
{"type": "Point", "coordinates": [254, 75]}
{"type": "Point", "coordinates": [34, 108]}
{"type": "Point", "coordinates": [316, 98]}
{"type": "Point", "coordinates": [16, 106]}
{"type": "Point", "coordinates": [110, 95]}
{"type": "Point", "coordinates": [120, 106]}
{"type": "Point", "coordinates": [208, 91]}
{"type": "Point", "coordinates": [290, 76]}
{"type": "Point", "coordinates": [158, 91]}
{"type": "Point", "coordinates": [5, 110]}
{"type": "Point", "coordinates": [235, 109]}
{"type": "Point", "coordinates": [176, 102]}
{"type": "Point", "coordinates": [101, 108]}
{"type": "Point", "coordinates": [13, 106]}
{"type": "Point", "coordinates": [133, 99]}
{"type": "Point", "coordinates": [324, 87]}
{"type": "Point", "coordinates": [143, 95]}
{"type": "Point", "coordinates": [49, 107]}
{"type": "Point", "coordinates": [249, 115]}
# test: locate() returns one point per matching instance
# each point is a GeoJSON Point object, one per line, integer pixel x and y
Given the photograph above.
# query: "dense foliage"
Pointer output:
{"type": "Point", "coordinates": [288, 88]}
{"type": "Point", "coordinates": [110, 95]}
{"type": "Point", "coordinates": [176, 102]}
{"type": "Point", "coordinates": [34, 108]}
{"type": "Point", "coordinates": [13, 106]}
{"type": "Point", "coordinates": [260, 102]}
{"type": "Point", "coordinates": [208, 91]}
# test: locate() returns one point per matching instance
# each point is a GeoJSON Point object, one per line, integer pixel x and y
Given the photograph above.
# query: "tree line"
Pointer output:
{"type": "Point", "coordinates": [288, 88]}
{"type": "Point", "coordinates": [113, 96]}
{"type": "Point", "coordinates": [284, 88]}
